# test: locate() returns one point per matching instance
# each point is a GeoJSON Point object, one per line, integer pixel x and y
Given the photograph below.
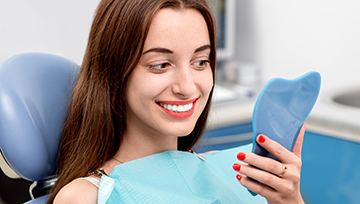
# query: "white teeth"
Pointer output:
{"type": "Point", "coordinates": [180, 108]}
{"type": "Point", "coordinates": [177, 108]}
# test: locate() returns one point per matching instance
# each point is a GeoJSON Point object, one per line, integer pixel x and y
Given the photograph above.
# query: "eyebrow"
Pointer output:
{"type": "Point", "coordinates": [160, 50]}
{"type": "Point", "coordinates": [202, 48]}
{"type": "Point", "coordinates": [167, 51]}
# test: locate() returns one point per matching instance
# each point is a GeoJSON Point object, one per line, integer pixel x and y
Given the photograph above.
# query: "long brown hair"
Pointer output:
{"type": "Point", "coordinates": [95, 120]}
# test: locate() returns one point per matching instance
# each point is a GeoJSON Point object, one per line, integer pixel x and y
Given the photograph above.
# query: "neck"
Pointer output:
{"type": "Point", "coordinates": [136, 145]}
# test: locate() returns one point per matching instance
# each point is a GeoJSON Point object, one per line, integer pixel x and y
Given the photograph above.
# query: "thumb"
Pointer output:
{"type": "Point", "coordinates": [299, 142]}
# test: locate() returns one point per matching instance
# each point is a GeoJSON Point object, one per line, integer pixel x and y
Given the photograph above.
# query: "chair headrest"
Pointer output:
{"type": "Point", "coordinates": [35, 89]}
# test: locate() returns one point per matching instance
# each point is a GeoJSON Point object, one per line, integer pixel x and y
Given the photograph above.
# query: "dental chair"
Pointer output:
{"type": "Point", "coordinates": [35, 89]}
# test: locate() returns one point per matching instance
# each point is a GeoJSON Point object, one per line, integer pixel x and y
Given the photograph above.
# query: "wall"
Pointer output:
{"type": "Point", "coordinates": [51, 26]}
{"type": "Point", "coordinates": [293, 37]}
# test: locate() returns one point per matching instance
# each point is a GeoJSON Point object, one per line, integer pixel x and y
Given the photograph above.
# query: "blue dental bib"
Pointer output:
{"type": "Point", "coordinates": [177, 177]}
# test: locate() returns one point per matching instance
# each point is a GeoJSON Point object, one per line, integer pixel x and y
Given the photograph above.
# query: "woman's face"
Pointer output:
{"type": "Point", "coordinates": [170, 86]}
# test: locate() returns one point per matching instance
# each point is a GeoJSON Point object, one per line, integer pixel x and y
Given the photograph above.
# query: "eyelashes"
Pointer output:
{"type": "Point", "coordinates": [202, 63]}
{"type": "Point", "coordinates": [162, 67]}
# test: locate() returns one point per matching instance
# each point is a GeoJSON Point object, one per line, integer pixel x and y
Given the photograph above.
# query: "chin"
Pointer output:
{"type": "Point", "coordinates": [185, 134]}
{"type": "Point", "coordinates": [182, 132]}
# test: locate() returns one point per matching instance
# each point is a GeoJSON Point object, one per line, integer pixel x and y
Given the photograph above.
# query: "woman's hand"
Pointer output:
{"type": "Point", "coordinates": [281, 179]}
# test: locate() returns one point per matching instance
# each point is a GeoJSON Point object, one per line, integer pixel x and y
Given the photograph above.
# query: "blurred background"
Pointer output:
{"type": "Point", "coordinates": [282, 38]}
{"type": "Point", "coordinates": [258, 40]}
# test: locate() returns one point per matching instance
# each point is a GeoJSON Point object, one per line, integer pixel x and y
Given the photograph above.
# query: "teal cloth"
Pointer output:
{"type": "Point", "coordinates": [177, 177]}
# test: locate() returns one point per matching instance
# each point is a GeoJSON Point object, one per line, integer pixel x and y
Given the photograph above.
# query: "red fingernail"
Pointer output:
{"type": "Point", "coordinates": [238, 177]}
{"type": "Point", "coordinates": [236, 167]}
{"type": "Point", "coordinates": [261, 139]}
{"type": "Point", "coordinates": [241, 156]}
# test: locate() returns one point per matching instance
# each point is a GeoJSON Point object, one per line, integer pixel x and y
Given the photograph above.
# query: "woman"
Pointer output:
{"type": "Point", "coordinates": [145, 87]}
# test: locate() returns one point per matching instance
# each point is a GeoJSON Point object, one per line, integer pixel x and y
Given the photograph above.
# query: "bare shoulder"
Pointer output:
{"type": "Point", "coordinates": [78, 191]}
{"type": "Point", "coordinates": [209, 152]}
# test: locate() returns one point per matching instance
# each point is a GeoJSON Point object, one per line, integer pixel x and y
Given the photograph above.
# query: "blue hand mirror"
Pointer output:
{"type": "Point", "coordinates": [282, 108]}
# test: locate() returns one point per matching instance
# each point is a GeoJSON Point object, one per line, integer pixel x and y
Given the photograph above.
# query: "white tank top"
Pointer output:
{"type": "Point", "coordinates": [92, 180]}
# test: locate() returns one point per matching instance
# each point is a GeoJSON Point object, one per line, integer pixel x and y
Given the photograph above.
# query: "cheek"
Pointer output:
{"type": "Point", "coordinates": [144, 87]}
{"type": "Point", "coordinates": [205, 81]}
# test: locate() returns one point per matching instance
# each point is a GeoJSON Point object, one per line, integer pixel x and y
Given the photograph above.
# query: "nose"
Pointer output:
{"type": "Point", "coordinates": [184, 85]}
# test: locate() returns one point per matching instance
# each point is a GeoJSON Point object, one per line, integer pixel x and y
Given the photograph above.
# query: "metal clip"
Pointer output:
{"type": "Point", "coordinates": [99, 173]}
{"type": "Point", "coordinates": [197, 155]}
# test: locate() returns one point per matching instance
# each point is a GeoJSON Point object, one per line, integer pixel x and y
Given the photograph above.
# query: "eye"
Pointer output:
{"type": "Point", "coordinates": [201, 64]}
{"type": "Point", "coordinates": [160, 66]}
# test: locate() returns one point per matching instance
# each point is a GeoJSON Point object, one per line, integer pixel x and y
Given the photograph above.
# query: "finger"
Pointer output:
{"type": "Point", "coordinates": [264, 163]}
{"type": "Point", "coordinates": [279, 184]}
{"type": "Point", "coordinates": [259, 175]}
{"type": "Point", "coordinates": [256, 187]}
{"type": "Point", "coordinates": [276, 149]}
{"type": "Point", "coordinates": [299, 141]}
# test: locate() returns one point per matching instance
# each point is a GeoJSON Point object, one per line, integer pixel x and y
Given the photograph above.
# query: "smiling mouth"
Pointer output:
{"type": "Point", "coordinates": [178, 109]}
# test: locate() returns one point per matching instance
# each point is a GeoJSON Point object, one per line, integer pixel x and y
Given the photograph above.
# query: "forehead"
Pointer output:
{"type": "Point", "coordinates": [177, 29]}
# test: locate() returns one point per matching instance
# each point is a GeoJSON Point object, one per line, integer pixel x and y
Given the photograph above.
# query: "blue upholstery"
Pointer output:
{"type": "Point", "coordinates": [35, 89]}
{"type": "Point", "coordinates": [40, 200]}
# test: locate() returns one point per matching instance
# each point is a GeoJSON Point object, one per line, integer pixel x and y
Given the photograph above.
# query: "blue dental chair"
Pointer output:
{"type": "Point", "coordinates": [35, 90]}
